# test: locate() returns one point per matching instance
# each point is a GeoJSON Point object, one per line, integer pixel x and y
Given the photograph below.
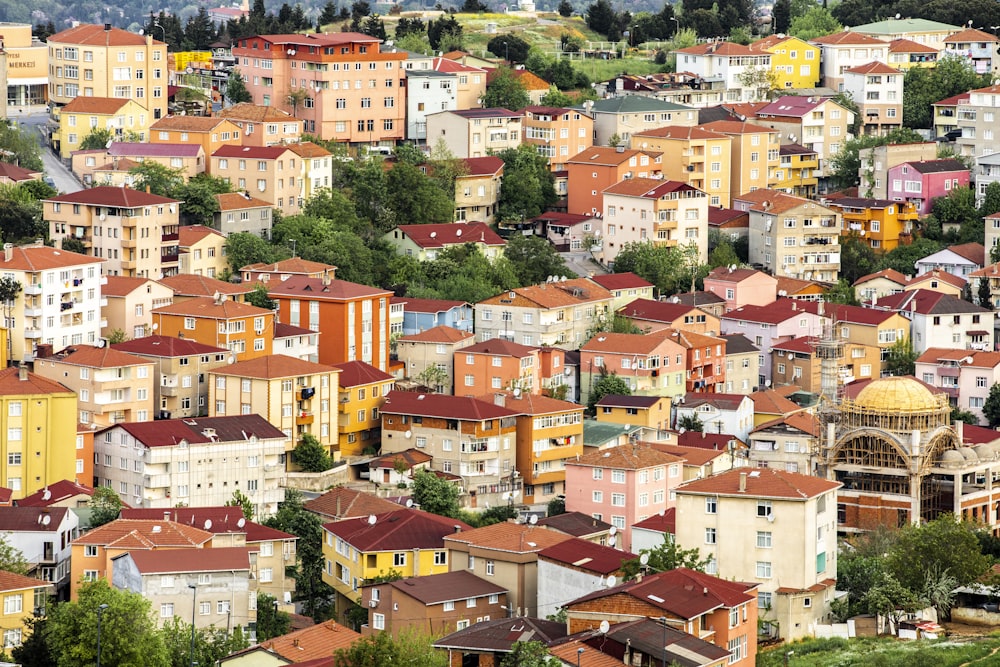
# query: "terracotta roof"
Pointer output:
{"type": "Point", "coordinates": [800, 421]}
{"type": "Point", "coordinates": [216, 520]}
{"type": "Point", "coordinates": [446, 64]}
{"type": "Point", "coordinates": [529, 403]}
{"type": "Point", "coordinates": [307, 149]}
{"type": "Point", "coordinates": [647, 188]}
{"type": "Point", "coordinates": [684, 133]}
{"type": "Point", "coordinates": [446, 587]}
{"type": "Point", "coordinates": [97, 357]}
{"type": "Point", "coordinates": [796, 149]}
{"type": "Point", "coordinates": [439, 334]}
{"type": "Point", "coordinates": [682, 592]}
{"type": "Point", "coordinates": [617, 281]}
{"type": "Point", "coordinates": [428, 305]}
{"type": "Point", "coordinates": [660, 523]}
{"type": "Point", "coordinates": [846, 37]}
{"type": "Point", "coordinates": [410, 457]}
{"type": "Point", "coordinates": [700, 440]}
{"type": "Point", "coordinates": [398, 530]}
{"type": "Point", "coordinates": [690, 339]}
{"type": "Point", "coordinates": [189, 284]}
{"type": "Point", "coordinates": [626, 343]}
{"type": "Point", "coordinates": [167, 346]}
{"type": "Point", "coordinates": [55, 493]}
{"type": "Point", "coordinates": [629, 457]}
{"type": "Point", "coordinates": [773, 313]}
{"type": "Point", "coordinates": [736, 127]}
{"type": "Point", "coordinates": [199, 430]}
{"type": "Point", "coordinates": [95, 105]}
{"type": "Point", "coordinates": [292, 265]}
{"type": "Point", "coordinates": [116, 286]}
{"type": "Point", "coordinates": [724, 274]}
{"type": "Point", "coordinates": [770, 402]}
{"type": "Point", "coordinates": [451, 233]}
{"type": "Point", "coordinates": [40, 258]}
{"type": "Point", "coordinates": [257, 113]}
{"type": "Point", "coordinates": [577, 524]}
{"type": "Point", "coordinates": [188, 235]}
{"type": "Point", "coordinates": [252, 152]}
{"type": "Point", "coordinates": [313, 288]}
{"type": "Point", "coordinates": [439, 405]}
{"type": "Point", "coordinates": [903, 45]}
{"type": "Point", "coordinates": [510, 537]}
{"type": "Point", "coordinates": [603, 155]}
{"type": "Point", "coordinates": [282, 330]}
{"type": "Point", "coordinates": [889, 274]}
{"type": "Point", "coordinates": [954, 100]}
{"type": "Point", "coordinates": [717, 49]}
{"type": "Point", "coordinates": [144, 534]}
{"type": "Point", "coordinates": [9, 581]}
{"type": "Point", "coordinates": [109, 195]}
{"type": "Point", "coordinates": [979, 359]}
{"type": "Point", "coordinates": [357, 373]}
{"type": "Point", "coordinates": [187, 123]}
{"type": "Point", "coordinates": [858, 315]}
{"type": "Point", "coordinates": [970, 35]}
{"type": "Point", "coordinates": [233, 201]}
{"type": "Point", "coordinates": [943, 276]}
{"type": "Point", "coordinates": [692, 456]}
{"type": "Point", "coordinates": [501, 348]}
{"type": "Point", "coordinates": [482, 166]}
{"type": "Point", "coordinates": [974, 252]}
{"type": "Point", "coordinates": [206, 306]}
{"type": "Point", "coordinates": [11, 384]}
{"type": "Point", "coordinates": [314, 39]}
{"type": "Point", "coordinates": [182, 561]}
{"type": "Point", "coordinates": [15, 173]}
{"type": "Point", "coordinates": [88, 34]}
{"type": "Point", "coordinates": [274, 366]}
{"type": "Point", "coordinates": [655, 311]}
{"type": "Point", "coordinates": [588, 556]}
{"type": "Point", "coordinates": [317, 641]}
{"type": "Point", "coordinates": [343, 503]}
{"type": "Point", "coordinates": [556, 295]}
{"type": "Point", "coordinates": [802, 344]}
{"type": "Point", "coordinates": [30, 519]}
{"type": "Point", "coordinates": [718, 400]}
{"type": "Point", "coordinates": [761, 483]}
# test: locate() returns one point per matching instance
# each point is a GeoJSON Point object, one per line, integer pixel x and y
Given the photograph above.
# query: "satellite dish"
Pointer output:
{"type": "Point", "coordinates": [644, 560]}
{"type": "Point", "coordinates": [517, 392]}
{"type": "Point", "coordinates": [533, 520]}
{"type": "Point", "coordinates": [100, 343]}
{"type": "Point", "coordinates": [681, 430]}
{"type": "Point", "coordinates": [612, 580]}
{"type": "Point", "coordinates": [605, 626]}
{"type": "Point", "coordinates": [231, 360]}
{"type": "Point", "coordinates": [612, 540]}
{"type": "Point", "coordinates": [408, 435]}
{"type": "Point", "coordinates": [46, 520]}
{"type": "Point", "coordinates": [155, 326]}
{"type": "Point", "coordinates": [208, 524]}
{"type": "Point", "coordinates": [110, 141]}
{"type": "Point", "coordinates": [662, 512]}
{"type": "Point", "coordinates": [242, 522]}
{"type": "Point", "coordinates": [141, 31]}
{"type": "Point", "coordinates": [505, 495]}
{"type": "Point", "coordinates": [613, 530]}
{"type": "Point", "coordinates": [409, 502]}
{"type": "Point", "coordinates": [372, 519]}
{"type": "Point", "coordinates": [46, 494]}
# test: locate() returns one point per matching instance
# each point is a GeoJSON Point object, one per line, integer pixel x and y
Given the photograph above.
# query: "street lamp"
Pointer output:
{"type": "Point", "coordinates": [194, 603]}
{"type": "Point", "coordinates": [677, 28]}
{"type": "Point", "coordinates": [506, 53]}
{"type": "Point", "coordinates": [663, 619]}
{"type": "Point", "coordinates": [788, 654]}
{"type": "Point", "coordinates": [579, 652]}
{"type": "Point", "coordinates": [100, 613]}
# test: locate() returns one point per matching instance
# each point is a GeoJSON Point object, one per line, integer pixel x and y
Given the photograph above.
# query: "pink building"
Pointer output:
{"type": "Point", "coordinates": [965, 375]}
{"type": "Point", "coordinates": [623, 486]}
{"type": "Point", "coordinates": [652, 364]}
{"type": "Point", "coordinates": [741, 287]}
{"type": "Point", "coordinates": [921, 182]}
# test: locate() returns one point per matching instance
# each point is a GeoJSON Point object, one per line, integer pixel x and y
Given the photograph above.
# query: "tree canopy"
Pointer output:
{"type": "Point", "coordinates": [435, 494]}
{"type": "Point", "coordinates": [105, 506]}
{"type": "Point", "coordinates": [505, 91]}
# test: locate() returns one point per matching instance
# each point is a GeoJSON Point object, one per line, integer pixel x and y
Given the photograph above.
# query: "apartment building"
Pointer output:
{"type": "Point", "coordinates": [626, 115]}
{"type": "Point", "coordinates": [787, 443]}
{"type": "Point", "coordinates": [263, 125]}
{"type": "Point", "coordinates": [873, 174]}
{"type": "Point", "coordinates": [362, 391]}
{"type": "Point", "coordinates": [797, 363]}
{"type": "Point", "coordinates": [661, 212]}
{"type": "Point", "coordinates": [353, 319]}
{"type": "Point", "coordinates": [905, 54]}
{"type": "Point", "coordinates": [197, 461]}
{"type": "Point", "coordinates": [270, 173]}
{"type": "Point", "coordinates": [878, 92]}
{"type": "Point", "coordinates": [958, 260]}
{"type": "Point", "coordinates": [692, 155]}
{"type": "Point", "coordinates": [842, 51]}
{"type": "Point", "coordinates": [60, 303]}
{"type": "Point", "coordinates": [202, 251]}
{"type": "Point", "coordinates": [742, 364]}
{"type": "Point", "coordinates": [755, 154]}
{"type": "Point", "coordinates": [95, 166]}
{"type": "Point", "coordinates": [794, 237]}
{"type": "Point", "coordinates": [652, 364]}
{"type": "Point", "coordinates": [945, 114]}
{"type": "Point", "coordinates": [975, 119]}
{"type": "Point", "coordinates": [817, 123]}
{"type": "Point", "coordinates": [127, 304]}
{"type": "Point", "coordinates": [727, 63]}
{"type": "Point", "coordinates": [242, 212]}
{"type": "Point", "coordinates": [625, 287]}
{"type": "Point", "coordinates": [134, 232]}
{"type": "Point", "coordinates": [45, 544]}
{"type": "Point", "coordinates": [315, 169]}
{"type": "Point", "coordinates": [556, 133]}
{"type": "Point", "coordinates": [651, 315]}
{"type": "Point", "coordinates": [769, 514]}
{"type": "Point", "coordinates": [920, 183]}
{"type": "Point", "coordinates": [83, 115]}
{"type": "Point", "coordinates": [424, 242]}
{"type": "Point", "coordinates": [794, 62]}
{"type": "Point", "coordinates": [102, 61]}
{"type": "Point", "coordinates": [475, 132]}
{"type": "Point", "coordinates": [776, 322]}
{"type": "Point", "coordinates": [181, 368]}
{"type": "Point", "coordinates": [705, 358]}
{"type": "Point", "coordinates": [436, 347]}
{"type": "Point", "coordinates": [797, 174]}
{"type": "Point", "coordinates": [880, 223]}
{"type": "Point", "coordinates": [210, 132]}
{"type": "Point", "coordinates": [597, 168]}
{"type": "Point", "coordinates": [966, 376]}
{"type": "Point", "coordinates": [942, 321]}
{"type": "Point", "coordinates": [296, 396]}
{"type": "Point", "coordinates": [111, 386]}
{"type": "Point", "coordinates": [443, 85]}
{"type": "Point", "coordinates": [477, 191]}
{"type": "Point", "coordinates": [21, 596]}
{"type": "Point", "coordinates": [497, 365]}
{"type": "Point", "coordinates": [340, 75]}
{"type": "Point", "coordinates": [245, 330]}
{"type": "Point", "coordinates": [978, 46]}
{"type": "Point", "coordinates": [557, 313]}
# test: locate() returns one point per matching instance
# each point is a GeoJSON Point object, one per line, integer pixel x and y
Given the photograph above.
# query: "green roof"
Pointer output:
{"type": "Point", "coordinates": [901, 26]}
{"type": "Point", "coordinates": [636, 104]}
{"type": "Point", "coordinates": [597, 434]}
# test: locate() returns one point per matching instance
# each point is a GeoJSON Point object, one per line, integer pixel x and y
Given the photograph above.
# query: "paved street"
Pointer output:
{"type": "Point", "coordinates": [63, 177]}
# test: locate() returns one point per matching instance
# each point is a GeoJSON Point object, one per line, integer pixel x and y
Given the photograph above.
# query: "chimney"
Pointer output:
{"type": "Point", "coordinates": [326, 277]}
{"type": "Point", "coordinates": [743, 482]}
{"type": "Point", "coordinates": [338, 508]}
{"type": "Point", "coordinates": [166, 516]}
{"type": "Point", "coordinates": [500, 399]}
{"type": "Point", "coordinates": [107, 27]}
{"type": "Point", "coordinates": [8, 252]}
{"type": "Point", "coordinates": [22, 372]}
{"type": "Point", "coordinates": [458, 528]}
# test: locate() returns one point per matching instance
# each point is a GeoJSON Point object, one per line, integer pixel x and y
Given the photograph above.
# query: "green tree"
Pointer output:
{"type": "Point", "coordinates": [816, 22]}
{"type": "Point", "coordinates": [240, 500]}
{"type": "Point", "coordinates": [843, 293]}
{"type": "Point", "coordinates": [236, 89]}
{"type": "Point", "coordinates": [198, 202]}
{"type": "Point", "coordinates": [958, 208]}
{"type": "Point", "coordinates": [159, 179]}
{"type": "Point", "coordinates": [781, 15]}
{"type": "Point", "coordinates": [964, 416]}
{"type": "Point", "coordinates": [270, 621]}
{"type": "Point", "coordinates": [117, 336]}
{"type": "Point", "coordinates": [244, 248]}
{"type": "Point", "coordinates": [510, 47]}
{"type": "Point", "coordinates": [433, 377]}
{"type": "Point", "coordinates": [434, 494]}
{"type": "Point", "coordinates": [661, 265]}
{"type": "Point", "coordinates": [946, 543]}
{"type": "Point", "coordinates": [258, 297]}
{"type": "Point", "coordinates": [983, 296]}
{"type": "Point", "coordinates": [310, 455]}
{"type": "Point", "coordinates": [416, 197]}
{"type": "Point", "coordinates": [601, 18]}
{"type": "Point", "coordinates": [991, 200]}
{"type": "Point", "coordinates": [555, 98]}
{"type": "Point", "coordinates": [667, 556]}
{"type": "Point", "coordinates": [889, 598]}
{"type": "Point", "coordinates": [529, 654]}
{"type": "Point", "coordinates": [128, 633]}
{"type": "Point", "coordinates": [98, 139]}
{"type": "Point", "coordinates": [556, 506]}
{"type": "Point", "coordinates": [857, 258]}
{"type": "Point", "coordinates": [11, 559]}
{"type": "Point", "coordinates": [105, 506]}
{"type": "Point", "coordinates": [846, 164]}
{"type": "Point", "coordinates": [951, 75]}
{"type": "Point", "coordinates": [409, 648]}
{"type": "Point", "coordinates": [474, 7]}
{"type": "Point", "coordinates": [210, 644]}
{"type": "Point", "coordinates": [38, 189]}
{"type": "Point", "coordinates": [34, 650]}
{"type": "Point", "coordinates": [902, 358]}
{"type": "Point", "coordinates": [19, 144]}
{"type": "Point", "coordinates": [529, 186]}
{"type": "Point", "coordinates": [607, 384]}
{"type": "Point", "coordinates": [691, 423]}
{"type": "Point", "coordinates": [506, 91]}
{"type": "Point", "coordinates": [991, 406]}
{"type": "Point", "coordinates": [534, 259]}
{"type": "Point", "coordinates": [446, 31]}
{"type": "Point", "coordinates": [565, 9]}
{"type": "Point", "coordinates": [903, 258]}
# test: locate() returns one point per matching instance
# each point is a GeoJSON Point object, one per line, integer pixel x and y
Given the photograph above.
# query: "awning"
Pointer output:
{"type": "Point", "coordinates": [977, 333]}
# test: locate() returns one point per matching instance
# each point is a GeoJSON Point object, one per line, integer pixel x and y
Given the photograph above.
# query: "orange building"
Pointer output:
{"type": "Point", "coordinates": [209, 132]}
{"type": "Point", "coordinates": [245, 330]}
{"type": "Point", "coordinates": [706, 360]}
{"type": "Point", "coordinates": [557, 134]}
{"type": "Point", "coordinates": [597, 168]}
{"type": "Point", "coordinates": [352, 90]}
{"type": "Point", "coordinates": [495, 365]}
{"type": "Point", "coordinates": [353, 319]}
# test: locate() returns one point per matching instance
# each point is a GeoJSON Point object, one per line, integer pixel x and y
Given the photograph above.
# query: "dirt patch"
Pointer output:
{"type": "Point", "coordinates": [965, 630]}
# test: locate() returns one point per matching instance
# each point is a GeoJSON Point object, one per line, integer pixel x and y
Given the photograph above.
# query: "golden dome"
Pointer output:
{"type": "Point", "coordinates": [891, 394]}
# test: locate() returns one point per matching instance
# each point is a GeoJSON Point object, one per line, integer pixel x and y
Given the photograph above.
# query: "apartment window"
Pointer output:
{"type": "Point", "coordinates": [597, 473]}
{"type": "Point", "coordinates": [763, 539]}
{"type": "Point", "coordinates": [167, 610]}
{"type": "Point", "coordinates": [710, 536]}
{"type": "Point", "coordinates": [597, 496]}
{"type": "Point", "coordinates": [763, 569]}
{"type": "Point", "coordinates": [399, 559]}
{"type": "Point", "coordinates": [618, 499]}
{"type": "Point", "coordinates": [618, 476]}
{"type": "Point", "coordinates": [378, 621]}
{"type": "Point", "coordinates": [711, 505]}
{"type": "Point", "coordinates": [763, 508]}
{"type": "Point", "coordinates": [12, 604]}
{"type": "Point", "coordinates": [90, 550]}
{"type": "Point", "coordinates": [204, 608]}
{"type": "Point", "coordinates": [490, 568]}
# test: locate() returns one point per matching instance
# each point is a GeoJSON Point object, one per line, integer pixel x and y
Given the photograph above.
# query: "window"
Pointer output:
{"type": "Point", "coordinates": [711, 505]}
{"type": "Point", "coordinates": [378, 621]}
{"type": "Point", "coordinates": [12, 638]}
{"type": "Point", "coordinates": [449, 605]}
{"type": "Point", "coordinates": [597, 496]}
{"type": "Point", "coordinates": [618, 476]}
{"type": "Point", "coordinates": [763, 508]}
{"type": "Point", "coordinates": [167, 610]}
{"type": "Point", "coordinates": [490, 568]}
{"type": "Point", "coordinates": [440, 557]}
{"type": "Point", "coordinates": [763, 539]}
{"type": "Point", "coordinates": [618, 499]}
{"type": "Point", "coordinates": [710, 536]}
{"type": "Point", "coordinates": [399, 560]}
{"type": "Point", "coordinates": [598, 473]}
{"type": "Point", "coordinates": [763, 569]}
{"type": "Point", "coordinates": [90, 550]}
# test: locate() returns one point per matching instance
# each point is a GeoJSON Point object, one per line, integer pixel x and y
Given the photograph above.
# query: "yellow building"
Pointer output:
{"type": "Point", "coordinates": [648, 411]}
{"type": "Point", "coordinates": [102, 61]}
{"type": "Point", "coordinates": [26, 70]}
{"type": "Point", "coordinates": [202, 251]}
{"type": "Point", "coordinates": [363, 389]}
{"type": "Point", "coordinates": [121, 117]}
{"type": "Point", "coordinates": [906, 54]}
{"type": "Point", "coordinates": [297, 396]}
{"type": "Point", "coordinates": [692, 155]}
{"type": "Point", "coordinates": [21, 596]}
{"type": "Point", "coordinates": [754, 160]}
{"type": "Point", "coordinates": [794, 62]}
{"type": "Point", "coordinates": [796, 173]}
{"type": "Point", "coordinates": [40, 444]}
{"type": "Point", "coordinates": [879, 223]}
{"type": "Point", "coordinates": [358, 550]}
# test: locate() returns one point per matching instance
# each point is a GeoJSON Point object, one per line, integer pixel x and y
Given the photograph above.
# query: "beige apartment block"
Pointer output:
{"type": "Point", "coordinates": [557, 134]}
{"type": "Point", "coordinates": [876, 163]}
{"type": "Point", "coordinates": [111, 386]}
{"type": "Point", "coordinates": [297, 396]}
{"type": "Point", "coordinates": [241, 212]}
{"type": "Point", "coordinates": [202, 251]}
{"type": "Point", "coordinates": [475, 132]}
{"type": "Point", "coordinates": [629, 114]}
{"type": "Point", "coordinates": [755, 155]}
{"type": "Point", "coordinates": [102, 61]}
{"type": "Point", "coordinates": [477, 191]}
{"type": "Point", "coordinates": [263, 125]}
{"type": "Point", "coordinates": [83, 115]}
{"type": "Point", "coordinates": [127, 304]}
{"type": "Point", "coordinates": [693, 155]}
{"type": "Point", "coordinates": [134, 232]}
{"type": "Point", "coordinates": [435, 348]}
{"type": "Point", "coordinates": [270, 173]}
{"type": "Point", "coordinates": [180, 372]}
{"type": "Point", "coordinates": [817, 123]}
{"type": "Point", "coordinates": [877, 89]}
{"type": "Point", "coordinates": [314, 161]}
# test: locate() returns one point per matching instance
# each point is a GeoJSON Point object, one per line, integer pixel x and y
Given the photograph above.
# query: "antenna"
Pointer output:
{"type": "Point", "coordinates": [372, 519]}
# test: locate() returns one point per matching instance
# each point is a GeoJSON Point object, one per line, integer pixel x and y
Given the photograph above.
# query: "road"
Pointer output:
{"type": "Point", "coordinates": [581, 264]}
{"type": "Point", "coordinates": [64, 179]}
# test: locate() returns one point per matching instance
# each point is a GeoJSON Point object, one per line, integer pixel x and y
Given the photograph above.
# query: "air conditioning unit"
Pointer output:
{"type": "Point", "coordinates": [373, 603]}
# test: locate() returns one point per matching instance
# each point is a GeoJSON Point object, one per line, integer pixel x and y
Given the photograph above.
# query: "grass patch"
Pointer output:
{"type": "Point", "coordinates": [884, 652]}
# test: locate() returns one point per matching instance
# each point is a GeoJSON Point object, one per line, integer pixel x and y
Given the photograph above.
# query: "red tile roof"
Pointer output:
{"type": "Point", "coordinates": [928, 302]}
{"type": "Point", "coordinates": [95, 105]}
{"type": "Point", "coordinates": [770, 402]}
{"type": "Point", "coordinates": [190, 234]}
{"type": "Point", "coordinates": [603, 155]}
{"type": "Point", "coordinates": [188, 123]}
{"type": "Point", "coordinates": [143, 534]}
{"type": "Point", "coordinates": [342, 503]}
{"type": "Point", "coordinates": [258, 113]}
{"type": "Point", "coordinates": [660, 523]}
{"type": "Point", "coordinates": [482, 166]}
{"type": "Point", "coordinates": [15, 173]}
{"type": "Point", "coordinates": [761, 483]}
{"type": "Point", "coordinates": [791, 105]}
{"type": "Point", "coordinates": [55, 493]}
{"type": "Point", "coordinates": [954, 100]}
{"type": "Point", "coordinates": [187, 284]}
{"type": "Point", "coordinates": [292, 265]}
{"type": "Point", "coordinates": [216, 520]}
{"type": "Point", "coordinates": [88, 34]}
{"type": "Point", "coordinates": [685, 133]}
{"type": "Point", "coordinates": [121, 285]}
{"type": "Point", "coordinates": [736, 127]}
{"type": "Point", "coordinates": [11, 384]}
{"type": "Point", "coordinates": [530, 404]}
{"type": "Point", "coordinates": [588, 556]}
{"type": "Point", "coordinates": [251, 152]}
{"type": "Point", "coordinates": [889, 274]}
{"type": "Point", "coordinates": [313, 288]}
{"type": "Point", "coordinates": [274, 366]}
{"type": "Point", "coordinates": [182, 561]}
{"type": "Point", "coordinates": [357, 373]}
{"type": "Point", "coordinates": [97, 357]}
{"type": "Point", "coordinates": [974, 252]}
{"type": "Point", "coordinates": [970, 35]}
{"type": "Point", "coordinates": [724, 274]}
{"type": "Point", "coordinates": [943, 276]}
{"type": "Point", "coordinates": [509, 536]}
{"type": "Point", "coordinates": [626, 343]}
{"type": "Point", "coordinates": [41, 258]}
{"type": "Point", "coordinates": [618, 281]}
{"type": "Point", "coordinates": [977, 358]}
{"type": "Point", "coordinates": [31, 519]}
{"type": "Point", "coordinates": [625, 457]}
{"type": "Point", "coordinates": [846, 37]}
{"type": "Point", "coordinates": [233, 201]}
{"type": "Point", "coordinates": [446, 407]}
{"type": "Point", "coordinates": [109, 195]}
{"type": "Point", "coordinates": [701, 440]}
{"type": "Point", "coordinates": [452, 586]}
{"type": "Point", "coordinates": [282, 330]}
{"type": "Point", "coordinates": [774, 313]}
{"type": "Point", "coordinates": [451, 233]}
{"type": "Point", "coordinates": [166, 346]}
{"type": "Point", "coordinates": [801, 421]}
{"type": "Point", "coordinates": [199, 430]}
{"type": "Point", "coordinates": [399, 530]}
{"type": "Point", "coordinates": [439, 334]}
{"type": "Point", "coordinates": [207, 307]}
{"type": "Point", "coordinates": [903, 45]}
{"type": "Point", "coordinates": [501, 348]}
{"type": "Point", "coordinates": [316, 642]}
{"type": "Point", "coordinates": [647, 188]}
{"type": "Point", "coordinates": [717, 49]}
{"type": "Point", "coordinates": [655, 311]}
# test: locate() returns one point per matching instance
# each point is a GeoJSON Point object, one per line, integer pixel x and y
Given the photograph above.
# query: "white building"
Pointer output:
{"type": "Point", "coordinates": [942, 320]}
{"type": "Point", "coordinates": [43, 535]}
{"type": "Point", "coordinates": [726, 62]}
{"type": "Point", "coordinates": [844, 50]}
{"type": "Point", "coordinates": [720, 413]}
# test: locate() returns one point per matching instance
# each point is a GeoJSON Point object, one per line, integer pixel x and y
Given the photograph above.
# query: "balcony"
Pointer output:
{"type": "Point", "coordinates": [168, 390]}
{"type": "Point", "coordinates": [129, 243]}
{"type": "Point", "coordinates": [168, 237]}
{"type": "Point", "coordinates": [156, 481]}
{"type": "Point", "coordinates": [33, 289]}
{"type": "Point", "coordinates": [169, 258]}
{"type": "Point", "coordinates": [32, 310]}
{"type": "Point", "coordinates": [33, 333]}
{"type": "Point", "coordinates": [304, 417]}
